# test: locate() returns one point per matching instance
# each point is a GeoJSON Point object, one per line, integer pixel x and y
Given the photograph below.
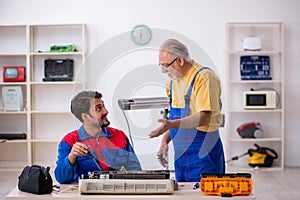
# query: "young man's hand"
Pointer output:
{"type": "Point", "coordinates": [78, 149]}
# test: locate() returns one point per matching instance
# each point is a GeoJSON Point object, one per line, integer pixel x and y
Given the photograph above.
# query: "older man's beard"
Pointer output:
{"type": "Point", "coordinates": [174, 75]}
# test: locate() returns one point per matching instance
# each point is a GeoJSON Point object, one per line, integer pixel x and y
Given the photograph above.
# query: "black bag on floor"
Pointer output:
{"type": "Point", "coordinates": [36, 179]}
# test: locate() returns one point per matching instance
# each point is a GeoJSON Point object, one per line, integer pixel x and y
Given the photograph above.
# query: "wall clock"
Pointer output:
{"type": "Point", "coordinates": [141, 35]}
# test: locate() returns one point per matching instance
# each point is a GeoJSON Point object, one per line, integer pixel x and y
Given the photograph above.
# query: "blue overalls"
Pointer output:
{"type": "Point", "coordinates": [195, 152]}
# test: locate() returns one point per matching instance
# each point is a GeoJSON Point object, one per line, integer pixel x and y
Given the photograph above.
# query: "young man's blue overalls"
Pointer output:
{"type": "Point", "coordinates": [196, 152]}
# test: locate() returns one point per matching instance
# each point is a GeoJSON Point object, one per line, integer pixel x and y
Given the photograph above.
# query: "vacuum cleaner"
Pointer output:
{"type": "Point", "coordinates": [259, 157]}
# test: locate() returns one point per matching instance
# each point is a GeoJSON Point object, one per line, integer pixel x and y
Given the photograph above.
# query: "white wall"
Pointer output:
{"type": "Point", "coordinates": [201, 21]}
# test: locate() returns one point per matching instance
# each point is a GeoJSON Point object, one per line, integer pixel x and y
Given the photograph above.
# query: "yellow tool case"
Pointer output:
{"type": "Point", "coordinates": [226, 185]}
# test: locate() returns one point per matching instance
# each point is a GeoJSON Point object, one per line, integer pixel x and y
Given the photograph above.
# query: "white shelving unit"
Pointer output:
{"type": "Point", "coordinates": [272, 120]}
{"type": "Point", "coordinates": [46, 115]}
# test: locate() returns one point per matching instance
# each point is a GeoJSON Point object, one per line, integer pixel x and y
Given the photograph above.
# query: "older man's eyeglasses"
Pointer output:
{"type": "Point", "coordinates": [166, 65]}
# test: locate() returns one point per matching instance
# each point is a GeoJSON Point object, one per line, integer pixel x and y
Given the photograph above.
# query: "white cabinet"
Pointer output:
{"type": "Point", "coordinates": [271, 120]}
{"type": "Point", "coordinates": [46, 116]}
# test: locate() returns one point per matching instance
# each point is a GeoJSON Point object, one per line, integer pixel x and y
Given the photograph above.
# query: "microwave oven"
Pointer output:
{"type": "Point", "coordinates": [260, 99]}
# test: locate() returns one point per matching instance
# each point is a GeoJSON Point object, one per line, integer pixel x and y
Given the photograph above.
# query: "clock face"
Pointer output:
{"type": "Point", "coordinates": [141, 35]}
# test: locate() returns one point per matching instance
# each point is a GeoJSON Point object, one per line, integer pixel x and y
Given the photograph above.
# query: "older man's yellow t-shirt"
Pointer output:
{"type": "Point", "coordinates": [205, 95]}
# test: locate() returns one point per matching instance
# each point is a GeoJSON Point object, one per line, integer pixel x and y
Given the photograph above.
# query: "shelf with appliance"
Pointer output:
{"type": "Point", "coordinates": [13, 118]}
{"type": "Point", "coordinates": [63, 50]}
{"type": "Point", "coordinates": [45, 115]}
{"type": "Point", "coordinates": [255, 85]}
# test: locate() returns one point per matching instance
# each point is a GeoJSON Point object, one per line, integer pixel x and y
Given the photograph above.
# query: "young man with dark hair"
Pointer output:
{"type": "Point", "coordinates": [94, 146]}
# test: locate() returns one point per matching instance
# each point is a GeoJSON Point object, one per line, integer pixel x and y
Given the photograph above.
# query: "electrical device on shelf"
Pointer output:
{"type": "Point", "coordinates": [13, 136]}
{"type": "Point", "coordinates": [62, 48]}
{"type": "Point", "coordinates": [14, 74]}
{"type": "Point", "coordinates": [59, 70]}
{"type": "Point", "coordinates": [252, 44]}
{"type": "Point", "coordinates": [259, 157]}
{"type": "Point", "coordinates": [260, 99]}
{"type": "Point", "coordinates": [250, 130]}
{"type": "Point", "coordinates": [12, 98]}
{"type": "Point", "coordinates": [255, 68]}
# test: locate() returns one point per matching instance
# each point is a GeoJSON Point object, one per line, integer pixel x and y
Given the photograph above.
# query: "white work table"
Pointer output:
{"type": "Point", "coordinates": [185, 192]}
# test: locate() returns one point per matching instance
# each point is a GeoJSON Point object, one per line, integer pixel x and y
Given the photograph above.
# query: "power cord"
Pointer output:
{"type": "Point", "coordinates": [129, 131]}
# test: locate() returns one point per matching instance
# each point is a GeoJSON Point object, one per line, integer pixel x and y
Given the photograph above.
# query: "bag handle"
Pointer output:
{"type": "Point", "coordinates": [45, 170]}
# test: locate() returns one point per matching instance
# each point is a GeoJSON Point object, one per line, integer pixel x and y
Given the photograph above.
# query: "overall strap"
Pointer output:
{"type": "Point", "coordinates": [188, 94]}
{"type": "Point", "coordinates": [170, 95]}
